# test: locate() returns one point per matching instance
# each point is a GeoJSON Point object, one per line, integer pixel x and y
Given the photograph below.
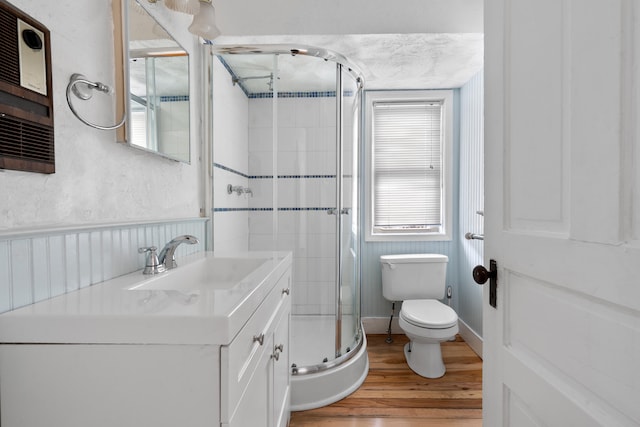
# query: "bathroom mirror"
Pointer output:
{"type": "Point", "coordinates": [157, 73]}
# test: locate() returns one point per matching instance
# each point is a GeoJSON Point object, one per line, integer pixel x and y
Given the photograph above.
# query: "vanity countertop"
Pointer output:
{"type": "Point", "coordinates": [128, 310]}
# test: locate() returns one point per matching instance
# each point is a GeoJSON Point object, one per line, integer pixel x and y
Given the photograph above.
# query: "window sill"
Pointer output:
{"type": "Point", "coordinates": [407, 237]}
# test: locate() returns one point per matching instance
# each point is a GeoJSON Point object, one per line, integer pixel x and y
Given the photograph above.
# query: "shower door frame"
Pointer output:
{"type": "Point", "coordinates": [342, 66]}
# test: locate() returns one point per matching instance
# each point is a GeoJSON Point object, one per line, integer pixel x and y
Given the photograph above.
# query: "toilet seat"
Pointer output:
{"type": "Point", "coordinates": [428, 313]}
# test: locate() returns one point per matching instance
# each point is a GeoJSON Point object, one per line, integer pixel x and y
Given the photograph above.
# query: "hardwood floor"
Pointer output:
{"type": "Point", "coordinates": [392, 395]}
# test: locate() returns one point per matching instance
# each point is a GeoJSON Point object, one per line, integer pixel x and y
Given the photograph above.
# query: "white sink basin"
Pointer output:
{"type": "Point", "coordinates": [205, 274]}
{"type": "Point", "coordinates": [206, 300]}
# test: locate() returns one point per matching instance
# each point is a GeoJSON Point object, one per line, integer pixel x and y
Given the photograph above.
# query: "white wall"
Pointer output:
{"type": "Point", "coordinates": [98, 180]}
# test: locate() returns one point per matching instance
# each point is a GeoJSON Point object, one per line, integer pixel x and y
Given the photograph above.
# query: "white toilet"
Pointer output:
{"type": "Point", "coordinates": [418, 280]}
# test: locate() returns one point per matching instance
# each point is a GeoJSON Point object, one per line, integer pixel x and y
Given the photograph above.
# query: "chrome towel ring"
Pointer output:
{"type": "Point", "coordinates": [83, 89]}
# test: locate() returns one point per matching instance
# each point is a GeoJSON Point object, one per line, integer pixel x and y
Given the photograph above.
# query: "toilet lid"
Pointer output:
{"type": "Point", "coordinates": [428, 313]}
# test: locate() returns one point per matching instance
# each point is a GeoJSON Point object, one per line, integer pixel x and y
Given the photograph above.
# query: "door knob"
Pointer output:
{"type": "Point", "coordinates": [481, 275]}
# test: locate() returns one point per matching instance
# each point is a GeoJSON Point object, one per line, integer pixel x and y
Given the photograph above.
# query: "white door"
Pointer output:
{"type": "Point", "coordinates": [562, 212]}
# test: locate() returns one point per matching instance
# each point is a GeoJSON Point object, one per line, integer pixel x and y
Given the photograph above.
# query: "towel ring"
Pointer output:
{"type": "Point", "coordinates": [82, 88]}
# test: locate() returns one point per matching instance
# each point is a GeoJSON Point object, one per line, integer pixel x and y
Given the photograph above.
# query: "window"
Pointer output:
{"type": "Point", "coordinates": [409, 145]}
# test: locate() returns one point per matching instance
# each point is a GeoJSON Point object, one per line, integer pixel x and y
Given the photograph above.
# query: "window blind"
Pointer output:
{"type": "Point", "coordinates": [407, 165]}
{"type": "Point", "coordinates": [139, 126]}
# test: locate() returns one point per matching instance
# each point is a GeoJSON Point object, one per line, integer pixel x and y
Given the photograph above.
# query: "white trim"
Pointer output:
{"type": "Point", "coordinates": [446, 97]}
{"type": "Point", "coordinates": [66, 229]}
{"type": "Point", "coordinates": [470, 337]}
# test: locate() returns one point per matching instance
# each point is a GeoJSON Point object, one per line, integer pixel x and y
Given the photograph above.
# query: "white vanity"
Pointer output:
{"type": "Point", "coordinates": [205, 344]}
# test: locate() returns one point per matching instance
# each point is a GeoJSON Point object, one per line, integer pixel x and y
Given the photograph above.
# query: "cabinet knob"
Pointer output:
{"type": "Point", "coordinates": [276, 351]}
{"type": "Point", "coordinates": [259, 338]}
{"type": "Point", "coordinates": [286, 291]}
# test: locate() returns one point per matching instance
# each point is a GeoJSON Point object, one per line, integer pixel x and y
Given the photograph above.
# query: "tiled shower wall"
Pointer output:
{"type": "Point", "coordinates": [243, 155]}
{"type": "Point", "coordinates": [230, 162]}
{"type": "Point", "coordinates": [38, 265]}
{"type": "Point", "coordinates": [306, 190]}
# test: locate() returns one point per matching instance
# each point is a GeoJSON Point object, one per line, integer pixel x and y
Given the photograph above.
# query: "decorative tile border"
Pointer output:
{"type": "Point", "coordinates": [312, 94]}
{"type": "Point", "coordinates": [291, 176]}
{"type": "Point", "coordinates": [268, 209]}
{"type": "Point", "coordinates": [228, 169]}
{"type": "Point", "coordinates": [174, 98]}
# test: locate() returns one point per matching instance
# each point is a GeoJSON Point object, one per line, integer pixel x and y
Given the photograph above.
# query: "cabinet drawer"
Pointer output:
{"type": "Point", "coordinates": [240, 359]}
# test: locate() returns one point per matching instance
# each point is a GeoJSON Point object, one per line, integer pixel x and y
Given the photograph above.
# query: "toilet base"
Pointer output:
{"type": "Point", "coordinates": [425, 359]}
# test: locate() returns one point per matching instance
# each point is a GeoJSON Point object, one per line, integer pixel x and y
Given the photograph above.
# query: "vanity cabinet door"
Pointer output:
{"type": "Point", "coordinates": [255, 372]}
{"type": "Point", "coordinates": [254, 407]}
{"type": "Point", "coordinates": [265, 402]}
{"type": "Point", "coordinates": [281, 370]}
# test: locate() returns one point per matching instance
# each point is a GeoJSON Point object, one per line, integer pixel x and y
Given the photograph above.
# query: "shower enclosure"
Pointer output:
{"type": "Point", "coordinates": [303, 129]}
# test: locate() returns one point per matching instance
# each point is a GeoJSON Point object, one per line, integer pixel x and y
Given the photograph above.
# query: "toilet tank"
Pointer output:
{"type": "Point", "coordinates": [413, 276]}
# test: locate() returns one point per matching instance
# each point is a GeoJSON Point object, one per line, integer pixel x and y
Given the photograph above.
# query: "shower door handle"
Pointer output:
{"type": "Point", "coordinates": [343, 211]}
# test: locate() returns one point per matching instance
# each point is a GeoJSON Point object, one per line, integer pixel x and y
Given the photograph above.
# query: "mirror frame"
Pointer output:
{"type": "Point", "coordinates": [122, 85]}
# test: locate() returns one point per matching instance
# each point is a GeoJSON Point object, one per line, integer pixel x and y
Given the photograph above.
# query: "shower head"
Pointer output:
{"type": "Point", "coordinates": [240, 80]}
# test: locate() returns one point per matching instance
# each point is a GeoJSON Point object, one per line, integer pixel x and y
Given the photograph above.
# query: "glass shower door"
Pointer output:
{"type": "Point", "coordinates": [349, 111]}
{"type": "Point", "coordinates": [303, 125]}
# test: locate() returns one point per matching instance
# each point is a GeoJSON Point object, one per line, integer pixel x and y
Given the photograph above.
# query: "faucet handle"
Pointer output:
{"type": "Point", "coordinates": [152, 264]}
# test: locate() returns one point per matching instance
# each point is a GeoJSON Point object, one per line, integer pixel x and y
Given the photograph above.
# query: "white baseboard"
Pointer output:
{"type": "Point", "coordinates": [380, 325]}
{"type": "Point", "coordinates": [470, 337]}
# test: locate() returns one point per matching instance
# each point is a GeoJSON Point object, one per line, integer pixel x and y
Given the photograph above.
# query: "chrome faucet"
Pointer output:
{"type": "Point", "coordinates": [167, 254]}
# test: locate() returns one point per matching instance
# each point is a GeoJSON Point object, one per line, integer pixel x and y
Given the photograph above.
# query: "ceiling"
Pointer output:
{"type": "Point", "coordinates": [400, 44]}
{"type": "Point", "coordinates": [387, 61]}
{"type": "Point", "coordinates": [405, 44]}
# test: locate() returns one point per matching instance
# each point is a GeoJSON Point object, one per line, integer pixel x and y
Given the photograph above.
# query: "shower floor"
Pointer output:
{"type": "Point", "coordinates": [313, 337]}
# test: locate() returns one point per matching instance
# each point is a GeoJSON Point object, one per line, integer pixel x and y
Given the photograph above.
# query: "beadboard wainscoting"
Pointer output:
{"type": "Point", "coordinates": [41, 264]}
{"type": "Point", "coordinates": [470, 252]}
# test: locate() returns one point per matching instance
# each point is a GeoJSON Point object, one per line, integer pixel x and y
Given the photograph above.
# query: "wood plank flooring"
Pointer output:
{"type": "Point", "coordinates": [393, 395]}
